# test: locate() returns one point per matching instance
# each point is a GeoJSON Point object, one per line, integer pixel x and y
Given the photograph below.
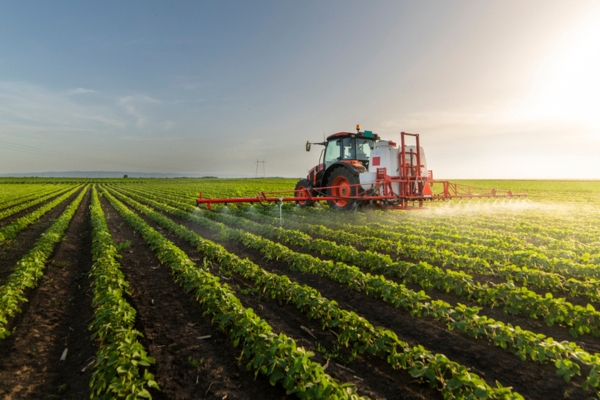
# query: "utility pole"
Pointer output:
{"type": "Point", "coordinates": [263, 165]}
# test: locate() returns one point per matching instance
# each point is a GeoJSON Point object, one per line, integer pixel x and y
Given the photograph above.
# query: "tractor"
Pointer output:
{"type": "Point", "coordinates": [357, 169]}
{"type": "Point", "coordinates": [349, 165]}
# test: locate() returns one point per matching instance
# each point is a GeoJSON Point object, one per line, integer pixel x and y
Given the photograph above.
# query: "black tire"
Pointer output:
{"type": "Point", "coordinates": [342, 182]}
{"type": "Point", "coordinates": [300, 186]}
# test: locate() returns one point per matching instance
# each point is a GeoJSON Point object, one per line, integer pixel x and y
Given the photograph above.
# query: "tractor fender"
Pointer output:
{"type": "Point", "coordinates": [315, 175]}
{"type": "Point", "coordinates": [355, 167]}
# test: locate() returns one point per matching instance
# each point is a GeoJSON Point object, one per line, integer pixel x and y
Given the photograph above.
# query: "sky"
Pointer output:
{"type": "Point", "coordinates": [496, 89]}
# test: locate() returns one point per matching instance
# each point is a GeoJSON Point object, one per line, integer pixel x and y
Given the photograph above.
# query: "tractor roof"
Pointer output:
{"type": "Point", "coordinates": [365, 135]}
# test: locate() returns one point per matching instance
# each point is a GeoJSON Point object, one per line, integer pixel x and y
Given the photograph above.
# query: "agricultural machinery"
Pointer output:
{"type": "Point", "coordinates": [357, 169]}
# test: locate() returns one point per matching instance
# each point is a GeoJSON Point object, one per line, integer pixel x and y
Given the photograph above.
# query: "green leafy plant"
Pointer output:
{"type": "Point", "coordinates": [523, 343]}
{"type": "Point", "coordinates": [121, 366]}
{"type": "Point", "coordinates": [122, 246]}
{"type": "Point", "coordinates": [195, 363]}
{"type": "Point", "coordinates": [274, 355]}
{"type": "Point", "coordinates": [355, 332]}
{"type": "Point", "coordinates": [11, 230]}
{"type": "Point", "coordinates": [30, 268]}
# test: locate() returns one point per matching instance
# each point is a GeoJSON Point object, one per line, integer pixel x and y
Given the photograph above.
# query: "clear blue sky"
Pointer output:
{"type": "Point", "coordinates": [505, 89]}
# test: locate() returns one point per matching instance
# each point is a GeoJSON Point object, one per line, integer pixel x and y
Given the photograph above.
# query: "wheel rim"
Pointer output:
{"type": "Point", "coordinates": [301, 192]}
{"type": "Point", "coordinates": [342, 189]}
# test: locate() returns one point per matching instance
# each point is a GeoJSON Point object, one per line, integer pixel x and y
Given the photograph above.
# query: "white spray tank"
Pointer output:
{"type": "Point", "coordinates": [385, 155]}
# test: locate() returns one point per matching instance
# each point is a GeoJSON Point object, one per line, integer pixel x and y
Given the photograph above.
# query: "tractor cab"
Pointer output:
{"type": "Point", "coordinates": [357, 169]}
{"type": "Point", "coordinates": [348, 150]}
{"type": "Point", "coordinates": [349, 146]}
{"type": "Point", "coordinates": [346, 155]}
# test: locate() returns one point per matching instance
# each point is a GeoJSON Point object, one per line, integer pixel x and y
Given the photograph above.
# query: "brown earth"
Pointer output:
{"type": "Point", "coordinates": [532, 380]}
{"type": "Point", "coordinates": [59, 310]}
{"type": "Point", "coordinates": [17, 215]}
{"type": "Point", "coordinates": [54, 319]}
{"type": "Point", "coordinates": [372, 376]}
{"type": "Point", "coordinates": [13, 250]}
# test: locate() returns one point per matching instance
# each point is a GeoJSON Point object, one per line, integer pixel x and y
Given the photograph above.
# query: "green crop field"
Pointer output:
{"type": "Point", "coordinates": [124, 288]}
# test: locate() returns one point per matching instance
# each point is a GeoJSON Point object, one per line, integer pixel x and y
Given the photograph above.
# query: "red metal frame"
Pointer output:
{"type": "Point", "coordinates": [413, 187]}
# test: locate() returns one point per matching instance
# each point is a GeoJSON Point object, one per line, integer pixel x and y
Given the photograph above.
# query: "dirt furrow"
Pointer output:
{"type": "Point", "coordinates": [559, 333]}
{"type": "Point", "coordinates": [54, 319]}
{"type": "Point", "coordinates": [11, 218]}
{"type": "Point", "coordinates": [533, 380]}
{"type": "Point", "coordinates": [171, 321]}
{"type": "Point", "coordinates": [372, 376]}
{"type": "Point", "coordinates": [14, 250]}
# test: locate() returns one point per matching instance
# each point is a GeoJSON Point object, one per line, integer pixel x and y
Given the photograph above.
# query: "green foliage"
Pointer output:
{"type": "Point", "coordinates": [354, 331]}
{"type": "Point", "coordinates": [195, 363]}
{"type": "Point", "coordinates": [28, 270]}
{"type": "Point", "coordinates": [121, 366]}
{"type": "Point", "coordinates": [525, 344]}
{"type": "Point", "coordinates": [11, 230]}
{"type": "Point", "coordinates": [266, 352]}
{"type": "Point", "coordinates": [490, 258]}
{"type": "Point", "coordinates": [15, 203]}
{"type": "Point", "coordinates": [122, 246]}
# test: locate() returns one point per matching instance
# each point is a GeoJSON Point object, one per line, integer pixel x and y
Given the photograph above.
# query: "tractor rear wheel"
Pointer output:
{"type": "Point", "coordinates": [300, 192]}
{"type": "Point", "coordinates": [343, 187]}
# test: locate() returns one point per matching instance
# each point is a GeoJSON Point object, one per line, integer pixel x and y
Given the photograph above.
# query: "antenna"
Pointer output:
{"type": "Point", "coordinates": [263, 165]}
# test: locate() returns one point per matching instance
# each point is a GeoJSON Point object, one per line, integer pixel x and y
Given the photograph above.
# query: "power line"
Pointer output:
{"type": "Point", "coordinates": [263, 164]}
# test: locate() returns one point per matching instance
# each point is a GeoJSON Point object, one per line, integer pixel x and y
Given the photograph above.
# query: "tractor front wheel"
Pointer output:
{"type": "Point", "coordinates": [302, 187]}
{"type": "Point", "coordinates": [343, 187]}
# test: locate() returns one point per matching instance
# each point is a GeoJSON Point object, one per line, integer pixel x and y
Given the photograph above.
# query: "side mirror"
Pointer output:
{"type": "Point", "coordinates": [307, 145]}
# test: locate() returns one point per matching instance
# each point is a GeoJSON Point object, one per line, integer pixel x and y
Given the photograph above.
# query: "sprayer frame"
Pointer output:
{"type": "Point", "coordinates": [414, 187]}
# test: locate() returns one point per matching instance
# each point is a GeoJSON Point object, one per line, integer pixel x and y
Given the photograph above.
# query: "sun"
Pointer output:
{"type": "Point", "coordinates": [567, 84]}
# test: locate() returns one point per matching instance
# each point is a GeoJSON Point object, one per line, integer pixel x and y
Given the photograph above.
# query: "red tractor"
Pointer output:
{"type": "Point", "coordinates": [347, 173]}
{"type": "Point", "coordinates": [358, 168]}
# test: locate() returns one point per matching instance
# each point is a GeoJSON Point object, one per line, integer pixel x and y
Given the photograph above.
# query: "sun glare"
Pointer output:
{"type": "Point", "coordinates": [567, 87]}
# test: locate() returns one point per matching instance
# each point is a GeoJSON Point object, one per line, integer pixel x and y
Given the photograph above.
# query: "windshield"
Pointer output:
{"type": "Point", "coordinates": [333, 152]}
{"type": "Point", "coordinates": [348, 149]}
{"type": "Point", "coordinates": [363, 149]}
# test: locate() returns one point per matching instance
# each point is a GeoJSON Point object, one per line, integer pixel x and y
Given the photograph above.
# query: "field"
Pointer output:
{"type": "Point", "coordinates": [115, 288]}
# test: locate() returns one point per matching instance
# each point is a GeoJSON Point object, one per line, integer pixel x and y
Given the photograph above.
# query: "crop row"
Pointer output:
{"type": "Point", "coordinates": [121, 366]}
{"type": "Point", "coordinates": [494, 253]}
{"type": "Point", "coordinates": [452, 378]}
{"type": "Point", "coordinates": [521, 342]}
{"type": "Point", "coordinates": [37, 200]}
{"type": "Point", "coordinates": [484, 227]}
{"type": "Point", "coordinates": [581, 320]}
{"type": "Point", "coordinates": [13, 206]}
{"type": "Point", "coordinates": [30, 268]}
{"type": "Point", "coordinates": [14, 193]}
{"type": "Point", "coordinates": [11, 230]}
{"type": "Point", "coordinates": [504, 240]}
{"type": "Point", "coordinates": [500, 249]}
{"type": "Point", "coordinates": [531, 228]}
{"type": "Point", "coordinates": [558, 253]}
{"type": "Point", "coordinates": [276, 356]}
{"type": "Point", "coordinates": [413, 247]}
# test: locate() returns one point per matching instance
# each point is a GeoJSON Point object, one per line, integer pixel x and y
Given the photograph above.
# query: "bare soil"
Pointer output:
{"type": "Point", "coordinates": [533, 380]}
{"type": "Point", "coordinates": [54, 319]}
{"type": "Point", "coordinates": [13, 250]}
{"type": "Point", "coordinates": [58, 312]}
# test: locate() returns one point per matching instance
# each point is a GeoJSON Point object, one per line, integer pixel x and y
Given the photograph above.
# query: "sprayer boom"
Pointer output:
{"type": "Point", "coordinates": [358, 169]}
{"type": "Point", "coordinates": [448, 191]}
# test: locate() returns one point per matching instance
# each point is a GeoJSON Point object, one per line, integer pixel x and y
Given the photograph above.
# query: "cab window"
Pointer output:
{"type": "Point", "coordinates": [363, 149]}
{"type": "Point", "coordinates": [349, 150]}
{"type": "Point", "coordinates": [333, 152]}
